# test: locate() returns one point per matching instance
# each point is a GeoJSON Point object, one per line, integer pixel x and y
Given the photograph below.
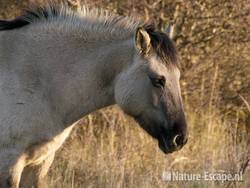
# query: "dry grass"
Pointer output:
{"type": "Point", "coordinates": [110, 150]}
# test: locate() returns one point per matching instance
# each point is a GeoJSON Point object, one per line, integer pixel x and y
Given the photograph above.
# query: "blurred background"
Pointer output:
{"type": "Point", "coordinates": [108, 149]}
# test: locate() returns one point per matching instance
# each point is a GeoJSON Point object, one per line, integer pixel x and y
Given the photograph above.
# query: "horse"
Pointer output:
{"type": "Point", "coordinates": [58, 65]}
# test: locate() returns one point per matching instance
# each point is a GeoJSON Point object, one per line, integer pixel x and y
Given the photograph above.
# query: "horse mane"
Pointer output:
{"type": "Point", "coordinates": [29, 16]}
{"type": "Point", "coordinates": [114, 26]}
{"type": "Point", "coordinates": [54, 12]}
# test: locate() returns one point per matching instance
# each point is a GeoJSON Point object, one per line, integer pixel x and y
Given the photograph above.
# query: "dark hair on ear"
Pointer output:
{"type": "Point", "coordinates": [162, 45]}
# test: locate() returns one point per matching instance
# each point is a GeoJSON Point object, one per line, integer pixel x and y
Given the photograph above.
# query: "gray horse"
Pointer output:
{"type": "Point", "coordinates": [57, 66]}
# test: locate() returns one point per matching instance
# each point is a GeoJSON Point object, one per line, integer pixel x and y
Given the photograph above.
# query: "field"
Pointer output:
{"type": "Point", "coordinates": [109, 150]}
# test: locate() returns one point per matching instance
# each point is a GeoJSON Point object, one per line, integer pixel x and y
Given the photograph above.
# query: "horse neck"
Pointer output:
{"type": "Point", "coordinates": [89, 82]}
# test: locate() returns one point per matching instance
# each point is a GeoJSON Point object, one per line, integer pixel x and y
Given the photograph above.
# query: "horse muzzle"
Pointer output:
{"type": "Point", "coordinates": [170, 145]}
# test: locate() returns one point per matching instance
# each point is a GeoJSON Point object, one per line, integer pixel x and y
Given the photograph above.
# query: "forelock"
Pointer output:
{"type": "Point", "coordinates": [162, 45]}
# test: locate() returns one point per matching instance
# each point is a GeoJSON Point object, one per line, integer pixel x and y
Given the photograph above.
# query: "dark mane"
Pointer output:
{"type": "Point", "coordinates": [28, 17]}
{"type": "Point", "coordinates": [162, 45]}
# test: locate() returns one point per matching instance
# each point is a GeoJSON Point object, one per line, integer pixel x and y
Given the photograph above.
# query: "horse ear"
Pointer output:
{"type": "Point", "coordinates": [142, 41]}
{"type": "Point", "coordinates": [170, 31]}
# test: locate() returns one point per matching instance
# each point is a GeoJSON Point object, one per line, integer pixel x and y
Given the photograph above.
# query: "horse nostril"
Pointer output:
{"type": "Point", "coordinates": [179, 140]}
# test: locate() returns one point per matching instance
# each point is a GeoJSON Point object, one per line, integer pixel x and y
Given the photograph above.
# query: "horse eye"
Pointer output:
{"type": "Point", "coordinates": [158, 82]}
